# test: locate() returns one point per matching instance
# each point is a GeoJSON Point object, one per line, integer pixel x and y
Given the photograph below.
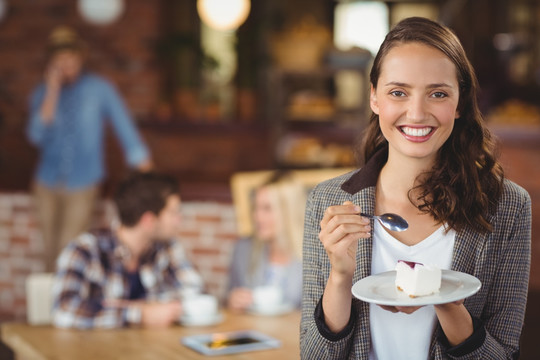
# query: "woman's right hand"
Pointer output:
{"type": "Point", "coordinates": [341, 228]}
{"type": "Point", "coordinates": [240, 299]}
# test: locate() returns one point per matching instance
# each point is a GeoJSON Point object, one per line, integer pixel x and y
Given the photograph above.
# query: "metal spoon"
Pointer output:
{"type": "Point", "coordinates": [390, 221]}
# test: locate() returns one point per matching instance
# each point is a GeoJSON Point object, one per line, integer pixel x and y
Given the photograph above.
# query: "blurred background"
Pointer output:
{"type": "Point", "coordinates": [260, 85]}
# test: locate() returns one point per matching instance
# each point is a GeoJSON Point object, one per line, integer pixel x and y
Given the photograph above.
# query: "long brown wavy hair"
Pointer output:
{"type": "Point", "coordinates": [466, 182]}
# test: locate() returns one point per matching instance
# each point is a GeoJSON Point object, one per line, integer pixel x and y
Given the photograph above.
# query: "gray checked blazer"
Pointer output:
{"type": "Point", "coordinates": [500, 259]}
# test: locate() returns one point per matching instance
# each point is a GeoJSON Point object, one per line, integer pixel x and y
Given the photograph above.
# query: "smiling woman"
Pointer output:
{"type": "Point", "coordinates": [429, 158]}
{"type": "Point", "coordinates": [416, 99]}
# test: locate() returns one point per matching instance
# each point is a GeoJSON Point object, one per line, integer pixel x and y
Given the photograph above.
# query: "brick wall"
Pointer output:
{"type": "Point", "coordinates": [20, 244]}
{"type": "Point", "coordinates": [208, 234]}
{"type": "Point", "coordinates": [124, 51]}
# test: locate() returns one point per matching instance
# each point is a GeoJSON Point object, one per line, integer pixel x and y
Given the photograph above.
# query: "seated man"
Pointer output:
{"type": "Point", "coordinates": [134, 274]}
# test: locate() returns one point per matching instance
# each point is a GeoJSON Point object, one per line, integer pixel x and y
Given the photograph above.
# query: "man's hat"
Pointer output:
{"type": "Point", "coordinates": [65, 38]}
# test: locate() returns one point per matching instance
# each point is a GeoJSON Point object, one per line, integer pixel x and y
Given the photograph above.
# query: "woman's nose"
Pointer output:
{"type": "Point", "coordinates": [417, 109]}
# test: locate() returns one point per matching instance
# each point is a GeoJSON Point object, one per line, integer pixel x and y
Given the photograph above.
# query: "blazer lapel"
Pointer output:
{"type": "Point", "coordinates": [366, 199]}
{"type": "Point", "coordinates": [467, 247]}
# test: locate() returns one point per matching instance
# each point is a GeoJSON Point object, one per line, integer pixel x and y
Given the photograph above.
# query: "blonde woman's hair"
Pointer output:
{"type": "Point", "coordinates": [288, 202]}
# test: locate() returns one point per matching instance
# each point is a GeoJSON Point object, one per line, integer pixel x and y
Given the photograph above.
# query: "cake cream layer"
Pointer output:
{"type": "Point", "coordinates": [418, 279]}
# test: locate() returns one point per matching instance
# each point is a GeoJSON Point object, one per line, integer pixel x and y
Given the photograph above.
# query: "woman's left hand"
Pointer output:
{"type": "Point", "coordinates": [240, 299]}
{"type": "Point", "coordinates": [403, 309]}
{"type": "Point", "coordinates": [457, 302]}
{"type": "Point", "coordinates": [411, 309]}
{"type": "Point", "coordinates": [455, 321]}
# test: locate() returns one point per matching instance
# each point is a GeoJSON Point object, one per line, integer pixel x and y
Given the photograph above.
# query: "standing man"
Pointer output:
{"type": "Point", "coordinates": [133, 275]}
{"type": "Point", "coordinates": [69, 112]}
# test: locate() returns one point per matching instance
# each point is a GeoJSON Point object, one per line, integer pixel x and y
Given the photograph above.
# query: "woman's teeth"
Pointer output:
{"type": "Point", "coordinates": [416, 131]}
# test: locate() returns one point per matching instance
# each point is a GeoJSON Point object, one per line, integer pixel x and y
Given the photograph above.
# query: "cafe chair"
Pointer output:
{"type": "Point", "coordinates": [244, 183]}
{"type": "Point", "coordinates": [39, 298]}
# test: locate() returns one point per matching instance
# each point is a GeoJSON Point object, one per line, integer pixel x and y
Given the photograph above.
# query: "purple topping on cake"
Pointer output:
{"type": "Point", "coordinates": [411, 264]}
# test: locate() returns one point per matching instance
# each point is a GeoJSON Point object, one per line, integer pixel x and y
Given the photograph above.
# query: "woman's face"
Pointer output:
{"type": "Point", "coordinates": [416, 99]}
{"type": "Point", "coordinates": [264, 216]}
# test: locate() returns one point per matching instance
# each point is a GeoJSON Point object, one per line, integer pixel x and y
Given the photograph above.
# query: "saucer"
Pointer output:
{"type": "Point", "coordinates": [201, 321]}
{"type": "Point", "coordinates": [280, 309]}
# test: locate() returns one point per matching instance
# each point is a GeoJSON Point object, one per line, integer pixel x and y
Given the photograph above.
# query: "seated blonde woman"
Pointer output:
{"type": "Point", "coordinates": [271, 257]}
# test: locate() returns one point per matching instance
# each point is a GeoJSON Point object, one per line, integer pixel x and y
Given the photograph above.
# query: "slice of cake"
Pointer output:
{"type": "Point", "coordinates": [416, 279]}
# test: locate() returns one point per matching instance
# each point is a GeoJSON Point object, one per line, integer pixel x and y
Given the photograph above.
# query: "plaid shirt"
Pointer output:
{"type": "Point", "coordinates": [500, 259]}
{"type": "Point", "coordinates": [90, 270]}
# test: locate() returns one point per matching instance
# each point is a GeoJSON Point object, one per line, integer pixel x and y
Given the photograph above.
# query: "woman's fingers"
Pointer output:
{"type": "Point", "coordinates": [451, 304]}
{"type": "Point", "coordinates": [389, 308]}
{"type": "Point", "coordinates": [341, 220]}
{"type": "Point", "coordinates": [341, 227]}
{"type": "Point", "coordinates": [407, 309]}
{"type": "Point", "coordinates": [402, 309]}
{"type": "Point", "coordinates": [348, 208]}
{"type": "Point", "coordinates": [340, 243]}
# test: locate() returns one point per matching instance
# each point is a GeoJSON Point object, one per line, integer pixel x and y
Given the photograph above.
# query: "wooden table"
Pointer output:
{"type": "Point", "coordinates": [47, 342]}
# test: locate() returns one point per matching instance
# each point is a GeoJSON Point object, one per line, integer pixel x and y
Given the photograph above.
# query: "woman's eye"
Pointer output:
{"type": "Point", "coordinates": [439, 94]}
{"type": "Point", "coordinates": [397, 93]}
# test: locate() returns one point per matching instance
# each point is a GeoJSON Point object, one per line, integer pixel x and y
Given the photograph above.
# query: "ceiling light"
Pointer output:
{"type": "Point", "coordinates": [101, 12]}
{"type": "Point", "coordinates": [223, 14]}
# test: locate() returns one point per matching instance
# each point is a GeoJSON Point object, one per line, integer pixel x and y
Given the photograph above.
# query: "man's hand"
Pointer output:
{"type": "Point", "coordinates": [53, 77]}
{"type": "Point", "coordinates": [53, 83]}
{"type": "Point", "coordinates": [145, 166]}
{"type": "Point", "coordinates": [160, 315]}
{"type": "Point", "coordinates": [153, 314]}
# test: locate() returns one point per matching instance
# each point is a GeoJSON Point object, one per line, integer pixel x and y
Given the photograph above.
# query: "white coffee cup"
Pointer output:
{"type": "Point", "coordinates": [200, 307]}
{"type": "Point", "coordinates": [267, 298]}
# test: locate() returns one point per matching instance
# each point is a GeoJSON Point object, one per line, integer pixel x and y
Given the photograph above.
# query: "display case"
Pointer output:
{"type": "Point", "coordinates": [318, 114]}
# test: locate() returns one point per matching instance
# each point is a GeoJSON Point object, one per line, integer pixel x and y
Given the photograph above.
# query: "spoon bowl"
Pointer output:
{"type": "Point", "coordinates": [391, 221]}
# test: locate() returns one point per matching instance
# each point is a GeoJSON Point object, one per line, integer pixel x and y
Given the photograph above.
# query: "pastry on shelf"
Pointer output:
{"type": "Point", "coordinates": [308, 105]}
{"type": "Point", "coordinates": [309, 151]}
{"type": "Point", "coordinates": [515, 112]}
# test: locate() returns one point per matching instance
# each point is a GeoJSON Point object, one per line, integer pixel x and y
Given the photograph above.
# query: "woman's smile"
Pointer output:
{"type": "Point", "coordinates": [417, 134]}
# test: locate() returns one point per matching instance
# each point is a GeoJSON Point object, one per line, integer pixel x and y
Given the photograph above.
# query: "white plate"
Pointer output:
{"type": "Point", "coordinates": [381, 289]}
{"type": "Point", "coordinates": [205, 321]}
{"type": "Point", "coordinates": [275, 311]}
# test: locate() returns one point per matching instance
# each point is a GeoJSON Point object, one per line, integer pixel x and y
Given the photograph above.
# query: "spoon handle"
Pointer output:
{"type": "Point", "coordinates": [367, 215]}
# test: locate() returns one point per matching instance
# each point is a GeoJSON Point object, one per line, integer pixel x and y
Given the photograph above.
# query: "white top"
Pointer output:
{"type": "Point", "coordinates": [398, 335]}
